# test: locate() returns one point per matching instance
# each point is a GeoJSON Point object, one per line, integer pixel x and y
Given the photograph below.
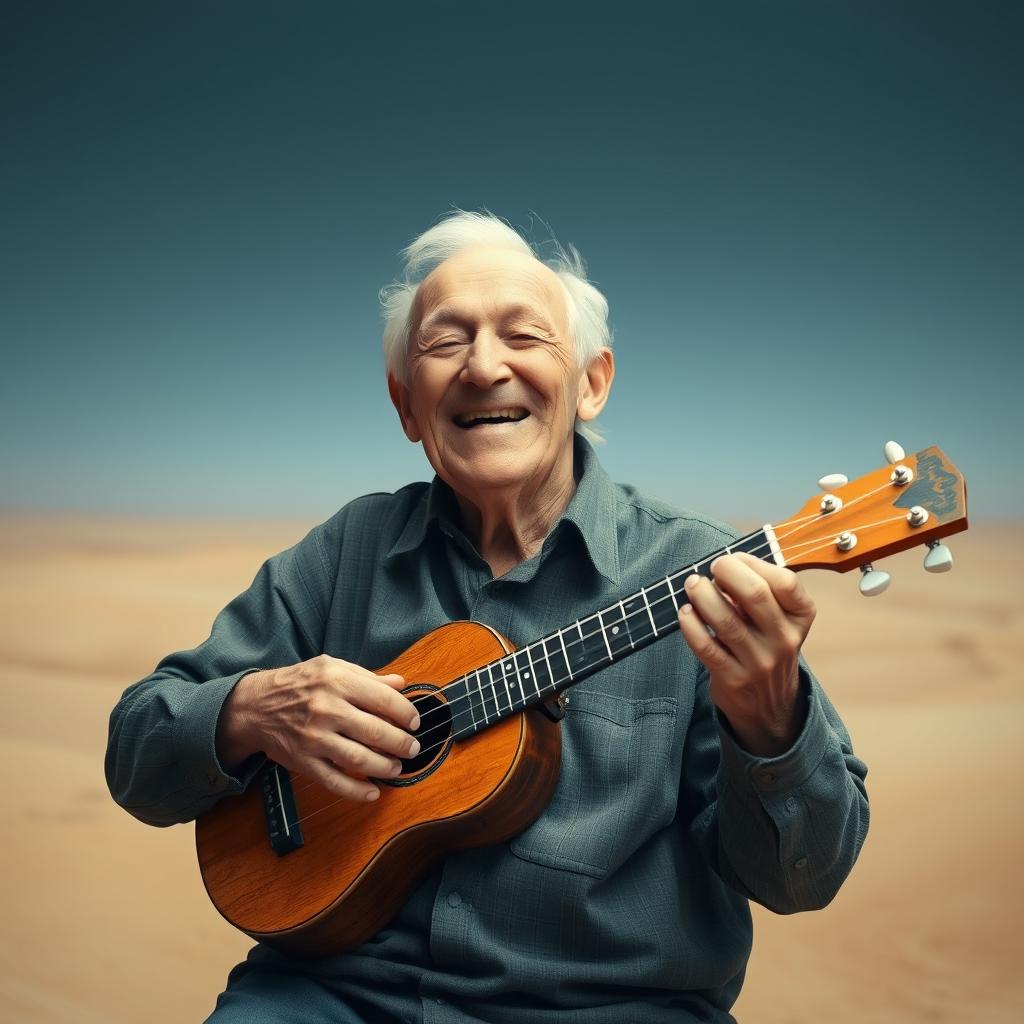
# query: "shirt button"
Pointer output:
{"type": "Point", "coordinates": [800, 863]}
{"type": "Point", "coordinates": [454, 899]}
{"type": "Point", "coordinates": [791, 804]}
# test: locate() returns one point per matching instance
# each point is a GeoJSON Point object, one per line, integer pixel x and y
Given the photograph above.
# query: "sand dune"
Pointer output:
{"type": "Point", "coordinates": [107, 920]}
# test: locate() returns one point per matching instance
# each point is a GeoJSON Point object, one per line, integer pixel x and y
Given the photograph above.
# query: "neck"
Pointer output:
{"type": "Point", "coordinates": [508, 524]}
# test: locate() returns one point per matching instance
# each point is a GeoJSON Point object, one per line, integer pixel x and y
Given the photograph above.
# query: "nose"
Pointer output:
{"type": "Point", "coordinates": [485, 363]}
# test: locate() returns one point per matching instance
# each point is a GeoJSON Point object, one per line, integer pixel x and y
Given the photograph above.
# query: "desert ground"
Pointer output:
{"type": "Point", "coordinates": [107, 920]}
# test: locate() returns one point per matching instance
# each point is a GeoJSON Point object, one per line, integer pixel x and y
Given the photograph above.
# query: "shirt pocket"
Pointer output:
{"type": "Point", "coordinates": [618, 784]}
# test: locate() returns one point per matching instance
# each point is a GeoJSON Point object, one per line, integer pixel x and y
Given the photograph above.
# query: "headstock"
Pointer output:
{"type": "Point", "coordinates": [916, 499]}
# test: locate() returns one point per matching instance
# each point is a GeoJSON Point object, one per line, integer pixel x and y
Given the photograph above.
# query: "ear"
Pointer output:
{"type": "Point", "coordinates": [400, 397]}
{"type": "Point", "coordinates": [595, 385]}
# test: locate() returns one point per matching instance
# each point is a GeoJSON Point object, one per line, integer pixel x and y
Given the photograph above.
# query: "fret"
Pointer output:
{"type": "Point", "coordinates": [547, 661]}
{"type": "Point", "coordinates": [589, 652]}
{"type": "Point", "coordinates": [477, 699]}
{"type": "Point", "coordinates": [533, 671]}
{"type": "Point", "coordinates": [672, 592]}
{"type": "Point", "coordinates": [487, 702]}
{"type": "Point", "coordinates": [681, 577]}
{"type": "Point", "coordinates": [579, 650]}
{"type": "Point", "coordinates": [662, 610]}
{"type": "Point", "coordinates": [496, 693]}
{"type": "Point", "coordinates": [497, 687]}
{"type": "Point", "coordinates": [565, 654]}
{"type": "Point", "coordinates": [637, 620]}
{"type": "Point", "coordinates": [509, 666]}
{"type": "Point", "coordinates": [625, 623]}
{"type": "Point", "coordinates": [616, 630]}
{"type": "Point", "coordinates": [647, 605]}
{"type": "Point", "coordinates": [494, 690]}
{"type": "Point", "coordinates": [524, 680]}
{"type": "Point", "coordinates": [604, 636]}
{"type": "Point", "coordinates": [468, 698]}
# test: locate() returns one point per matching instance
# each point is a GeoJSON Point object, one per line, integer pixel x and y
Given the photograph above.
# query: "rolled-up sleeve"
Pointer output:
{"type": "Point", "coordinates": [161, 760]}
{"type": "Point", "coordinates": [784, 831]}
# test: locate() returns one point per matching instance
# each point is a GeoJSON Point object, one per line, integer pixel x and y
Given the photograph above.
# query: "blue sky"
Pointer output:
{"type": "Point", "coordinates": [806, 218]}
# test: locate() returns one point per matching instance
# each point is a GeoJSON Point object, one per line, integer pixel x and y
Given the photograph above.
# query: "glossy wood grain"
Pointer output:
{"type": "Point", "coordinates": [875, 510]}
{"type": "Point", "coordinates": [360, 861]}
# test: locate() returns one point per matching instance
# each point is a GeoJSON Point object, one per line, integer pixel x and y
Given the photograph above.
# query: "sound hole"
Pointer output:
{"type": "Point", "coordinates": [434, 732]}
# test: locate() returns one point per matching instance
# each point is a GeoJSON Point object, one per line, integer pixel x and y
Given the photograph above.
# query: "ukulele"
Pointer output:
{"type": "Point", "coordinates": [294, 865]}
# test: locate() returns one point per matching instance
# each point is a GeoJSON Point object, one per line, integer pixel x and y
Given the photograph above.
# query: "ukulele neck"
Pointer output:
{"type": "Point", "coordinates": [573, 653]}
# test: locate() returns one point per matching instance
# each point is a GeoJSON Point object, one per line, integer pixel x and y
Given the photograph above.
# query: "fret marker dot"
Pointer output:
{"type": "Point", "coordinates": [615, 630]}
{"type": "Point", "coordinates": [526, 675]}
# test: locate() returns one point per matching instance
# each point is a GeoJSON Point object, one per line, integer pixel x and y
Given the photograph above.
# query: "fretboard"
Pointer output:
{"type": "Point", "coordinates": [576, 651]}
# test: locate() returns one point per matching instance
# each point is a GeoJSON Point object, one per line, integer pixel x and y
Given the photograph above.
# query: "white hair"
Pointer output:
{"type": "Point", "coordinates": [586, 307]}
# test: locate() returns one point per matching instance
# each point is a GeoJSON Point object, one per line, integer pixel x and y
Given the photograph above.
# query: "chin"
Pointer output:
{"type": "Point", "coordinates": [491, 471]}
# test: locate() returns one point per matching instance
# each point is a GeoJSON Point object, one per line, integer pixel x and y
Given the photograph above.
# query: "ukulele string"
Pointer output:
{"type": "Point", "coordinates": [798, 524]}
{"type": "Point", "coordinates": [864, 526]}
{"type": "Point", "coordinates": [469, 732]}
{"type": "Point", "coordinates": [555, 685]}
{"type": "Point", "coordinates": [668, 628]}
{"type": "Point", "coordinates": [569, 644]}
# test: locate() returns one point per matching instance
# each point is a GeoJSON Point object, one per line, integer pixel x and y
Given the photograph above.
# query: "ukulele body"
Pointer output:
{"type": "Point", "coordinates": [358, 862]}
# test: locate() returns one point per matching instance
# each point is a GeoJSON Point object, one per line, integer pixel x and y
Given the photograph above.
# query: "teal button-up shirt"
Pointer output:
{"type": "Point", "coordinates": [626, 901]}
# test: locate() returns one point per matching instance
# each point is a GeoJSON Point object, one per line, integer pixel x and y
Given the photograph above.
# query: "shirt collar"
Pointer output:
{"type": "Point", "coordinates": [591, 510]}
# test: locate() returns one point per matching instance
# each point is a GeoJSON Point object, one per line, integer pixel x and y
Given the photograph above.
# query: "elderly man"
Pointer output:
{"type": "Point", "coordinates": [695, 776]}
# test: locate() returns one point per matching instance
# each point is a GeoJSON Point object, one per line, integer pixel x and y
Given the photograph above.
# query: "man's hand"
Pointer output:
{"type": "Point", "coordinates": [325, 718]}
{"type": "Point", "coordinates": [760, 615]}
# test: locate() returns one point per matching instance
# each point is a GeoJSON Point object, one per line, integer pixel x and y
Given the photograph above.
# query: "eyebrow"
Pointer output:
{"type": "Point", "coordinates": [447, 315]}
{"type": "Point", "coordinates": [440, 317]}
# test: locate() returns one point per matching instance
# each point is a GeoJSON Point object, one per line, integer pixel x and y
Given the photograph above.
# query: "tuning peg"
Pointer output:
{"type": "Point", "coordinates": [894, 453]}
{"type": "Point", "coordinates": [873, 582]}
{"type": "Point", "coordinates": [832, 481]}
{"type": "Point", "coordinates": [939, 557]}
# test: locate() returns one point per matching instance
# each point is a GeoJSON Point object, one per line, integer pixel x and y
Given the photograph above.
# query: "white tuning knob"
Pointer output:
{"type": "Point", "coordinates": [894, 453]}
{"type": "Point", "coordinates": [939, 557]}
{"type": "Point", "coordinates": [873, 582]}
{"type": "Point", "coordinates": [832, 481]}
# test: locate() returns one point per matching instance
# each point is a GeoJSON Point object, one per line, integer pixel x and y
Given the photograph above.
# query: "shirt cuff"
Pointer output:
{"type": "Point", "coordinates": [787, 770]}
{"type": "Point", "coordinates": [194, 738]}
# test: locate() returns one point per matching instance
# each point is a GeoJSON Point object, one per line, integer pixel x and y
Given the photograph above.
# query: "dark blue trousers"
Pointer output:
{"type": "Point", "coordinates": [269, 997]}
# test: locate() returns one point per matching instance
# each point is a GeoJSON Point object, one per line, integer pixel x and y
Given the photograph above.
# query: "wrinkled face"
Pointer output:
{"type": "Point", "coordinates": [492, 386]}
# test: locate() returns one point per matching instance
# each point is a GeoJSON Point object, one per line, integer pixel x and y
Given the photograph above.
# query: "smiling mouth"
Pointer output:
{"type": "Point", "coordinates": [469, 420]}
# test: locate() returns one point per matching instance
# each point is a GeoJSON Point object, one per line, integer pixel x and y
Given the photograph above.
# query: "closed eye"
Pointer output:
{"type": "Point", "coordinates": [433, 346]}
